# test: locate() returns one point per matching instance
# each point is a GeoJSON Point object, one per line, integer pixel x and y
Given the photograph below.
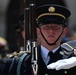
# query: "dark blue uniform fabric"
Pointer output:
{"type": "Point", "coordinates": [9, 66]}
{"type": "Point", "coordinates": [43, 69]}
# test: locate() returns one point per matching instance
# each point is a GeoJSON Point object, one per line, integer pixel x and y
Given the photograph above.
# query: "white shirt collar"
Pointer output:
{"type": "Point", "coordinates": [45, 51]}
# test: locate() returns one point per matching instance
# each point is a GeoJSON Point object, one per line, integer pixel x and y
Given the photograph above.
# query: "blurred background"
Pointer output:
{"type": "Point", "coordinates": [10, 11]}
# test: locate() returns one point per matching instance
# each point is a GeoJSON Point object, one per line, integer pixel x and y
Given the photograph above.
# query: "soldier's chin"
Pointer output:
{"type": "Point", "coordinates": [51, 43]}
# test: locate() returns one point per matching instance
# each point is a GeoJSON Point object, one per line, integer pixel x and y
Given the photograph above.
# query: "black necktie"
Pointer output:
{"type": "Point", "coordinates": [51, 55]}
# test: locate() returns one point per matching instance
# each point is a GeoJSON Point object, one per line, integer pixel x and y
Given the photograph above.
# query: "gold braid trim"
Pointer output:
{"type": "Point", "coordinates": [56, 14]}
{"type": "Point", "coordinates": [69, 46]}
{"type": "Point", "coordinates": [73, 49]}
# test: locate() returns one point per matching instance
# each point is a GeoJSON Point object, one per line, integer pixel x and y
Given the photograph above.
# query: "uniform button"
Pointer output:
{"type": "Point", "coordinates": [65, 72]}
{"type": "Point", "coordinates": [46, 74]}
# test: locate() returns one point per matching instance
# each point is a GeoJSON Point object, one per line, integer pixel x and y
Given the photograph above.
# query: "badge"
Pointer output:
{"type": "Point", "coordinates": [51, 9]}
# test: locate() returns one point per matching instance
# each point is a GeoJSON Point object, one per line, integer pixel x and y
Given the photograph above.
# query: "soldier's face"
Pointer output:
{"type": "Point", "coordinates": [51, 32]}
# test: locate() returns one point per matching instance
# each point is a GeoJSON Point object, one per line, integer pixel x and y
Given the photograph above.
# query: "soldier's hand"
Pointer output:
{"type": "Point", "coordinates": [63, 64]}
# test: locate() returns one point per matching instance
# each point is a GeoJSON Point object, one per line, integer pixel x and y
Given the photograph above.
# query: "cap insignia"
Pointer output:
{"type": "Point", "coordinates": [51, 9]}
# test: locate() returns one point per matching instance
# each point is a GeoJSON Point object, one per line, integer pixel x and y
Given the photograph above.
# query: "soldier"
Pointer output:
{"type": "Point", "coordinates": [52, 23]}
{"type": "Point", "coordinates": [51, 28]}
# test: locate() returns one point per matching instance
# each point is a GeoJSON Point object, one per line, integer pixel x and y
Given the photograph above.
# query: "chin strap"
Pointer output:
{"type": "Point", "coordinates": [54, 43]}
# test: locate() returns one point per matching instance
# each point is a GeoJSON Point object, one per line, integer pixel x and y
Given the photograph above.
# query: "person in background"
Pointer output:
{"type": "Point", "coordinates": [4, 48]}
{"type": "Point", "coordinates": [72, 32]}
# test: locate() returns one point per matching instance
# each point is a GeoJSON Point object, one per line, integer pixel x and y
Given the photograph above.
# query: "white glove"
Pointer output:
{"type": "Point", "coordinates": [63, 64]}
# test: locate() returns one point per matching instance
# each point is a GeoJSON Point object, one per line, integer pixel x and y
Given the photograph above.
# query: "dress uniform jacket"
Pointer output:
{"type": "Point", "coordinates": [16, 65]}
{"type": "Point", "coordinates": [43, 68]}
{"type": "Point", "coordinates": [12, 67]}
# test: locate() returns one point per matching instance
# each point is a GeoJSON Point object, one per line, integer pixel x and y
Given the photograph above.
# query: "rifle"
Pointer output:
{"type": "Point", "coordinates": [30, 41]}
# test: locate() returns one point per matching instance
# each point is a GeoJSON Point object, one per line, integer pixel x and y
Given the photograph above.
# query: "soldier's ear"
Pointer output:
{"type": "Point", "coordinates": [65, 32]}
{"type": "Point", "coordinates": [23, 34]}
{"type": "Point", "coordinates": [38, 31]}
{"type": "Point", "coordinates": [38, 35]}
